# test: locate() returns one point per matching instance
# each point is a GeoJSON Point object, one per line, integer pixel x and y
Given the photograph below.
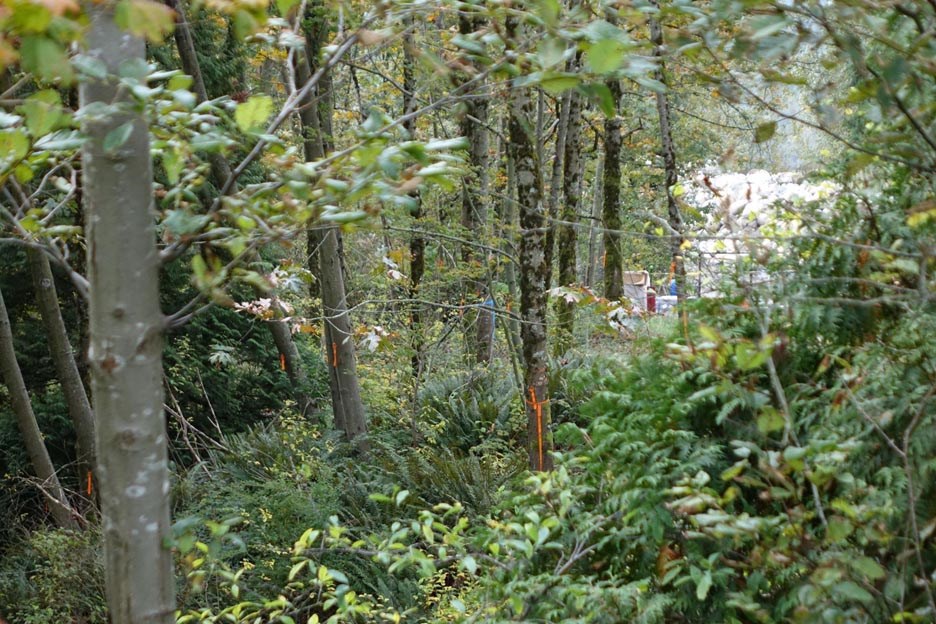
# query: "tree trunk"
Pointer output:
{"type": "Point", "coordinates": [220, 172]}
{"type": "Point", "coordinates": [594, 229]}
{"type": "Point", "coordinates": [417, 245]}
{"type": "Point", "coordinates": [29, 428]}
{"type": "Point", "coordinates": [669, 162]}
{"type": "Point", "coordinates": [573, 170]}
{"type": "Point", "coordinates": [611, 204]}
{"type": "Point", "coordinates": [76, 397]}
{"type": "Point", "coordinates": [347, 405]}
{"type": "Point", "coordinates": [474, 207]}
{"type": "Point", "coordinates": [126, 343]}
{"type": "Point", "coordinates": [534, 271]}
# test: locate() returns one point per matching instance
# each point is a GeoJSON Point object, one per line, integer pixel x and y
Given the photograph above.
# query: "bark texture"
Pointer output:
{"type": "Point", "coordinates": [325, 248]}
{"type": "Point", "coordinates": [534, 271]}
{"type": "Point", "coordinates": [29, 428]}
{"type": "Point", "coordinates": [417, 244]}
{"type": "Point", "coordinates": [572, 173]}
{"type": "Point", "coordinates": [63, 357]}
{"type": "Point", "coordinates": [668, 149]}
{"type": "Point", "coordinates": [611, 200]}
{"type": "Point", "coordinates": [474, 206]}
{"type": "Point", "coordinates": [126, 343]}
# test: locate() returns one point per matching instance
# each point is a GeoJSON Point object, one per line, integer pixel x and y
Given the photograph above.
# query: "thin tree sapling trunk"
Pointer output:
{"type": "Point", "coordinates": [63, 357]}
{"type": "Point", "coordinates": [29, 428]}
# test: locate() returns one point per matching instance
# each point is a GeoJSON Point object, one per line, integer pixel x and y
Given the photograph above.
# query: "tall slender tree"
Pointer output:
{"type": "Point", "coordinates": [417, 243]}
{"type": "Point", "coordinates": [325, 240]}
{"type": "Point", "coordinates": [534, 267]}
{"type": "Point", "coordinates": [26, 422]}
{"type": "Point", "coordinates": [474, 205]}
{"type": "Point", "coordinates": [573, 171]}
{"type": "Point", "coordinates": [611, 199]}
{"type": "Point", "coordinates": [668, 150]}
{"type": "Point", "coordinates": [126, 336]}
{"type": "Point", "coordinates": [63, 357]}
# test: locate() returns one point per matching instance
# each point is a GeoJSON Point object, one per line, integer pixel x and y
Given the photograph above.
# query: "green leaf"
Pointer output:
{"type": "Point", "coordinates": [605, 56]}
{"type": "Point", "coordinates": [46, 59]}
{"type": "Point", "coordinates": [14, 145]}
{"type": "Point", "coordinates": [145, 18]}
{"type": "Point", "coordinates": [550, 52]}
{"type": "Point", "coordinates": [769, 420]}
{"type": "Point", "coordinates": [469, 564]}
{"type": "Point", "coordinates": [601, 95]}
{"type": "Point", "coordinates": [116, 138]}
{"type": "Point", "coordinates": [869, 568]}
{"type": "Point", "coordinates": [548, 11]}
{"type": "Point", "coordinates": [252, 114]}
{"type": "Point", "coordinates": [765, 131]}
{"type": "Point", "coordinates": [852, 591]}
{"type": "Point", "coordinates": [42, 111]}
{"type": "Point", "coordinates": [556, 83]}
{"type": "Point", "coordinates": [704, 585]}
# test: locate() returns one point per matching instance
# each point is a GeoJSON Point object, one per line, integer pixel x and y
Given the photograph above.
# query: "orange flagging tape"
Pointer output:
{"type": "Point", "coordinates": [538, 408]}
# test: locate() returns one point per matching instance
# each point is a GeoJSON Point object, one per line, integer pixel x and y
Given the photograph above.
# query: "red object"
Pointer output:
{"type": "Point", "coordinates": [651, 300]}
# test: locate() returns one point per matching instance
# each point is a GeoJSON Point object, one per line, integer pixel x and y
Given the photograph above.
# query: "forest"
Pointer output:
{"type": "Point", "coordinates": [324, 311]}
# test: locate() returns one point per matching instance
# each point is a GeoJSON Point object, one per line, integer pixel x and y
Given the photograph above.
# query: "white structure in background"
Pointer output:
{"type": "Point", "coordinates": [635, 288]}
{"type": "Point", "coordinates": [746, 215]}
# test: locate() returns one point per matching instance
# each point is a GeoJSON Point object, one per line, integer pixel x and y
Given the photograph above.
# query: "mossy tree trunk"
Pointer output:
{"type": "Point", "coordinates": [611, 199]}
{"type": "Point", "coordinates": [573, 171]}
{"type": "Point", "coordinates": [534, 269]}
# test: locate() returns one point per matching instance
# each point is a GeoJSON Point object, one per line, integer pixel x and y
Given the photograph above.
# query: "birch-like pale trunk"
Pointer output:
{"type": "Point", "coordinates": [26, 422]}
{"type": "Point", "coordinates": [126, 340]}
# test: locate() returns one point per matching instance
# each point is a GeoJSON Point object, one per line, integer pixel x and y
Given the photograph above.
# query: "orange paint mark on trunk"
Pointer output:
{"type": "Point", "coordinates": [538, 410]}
{"type": "Point", "coordinates": [334, 355]}
{"type": "Point", "coordinates": [282, 362]}
{"type": "Point", "coordinates": [90, 484]}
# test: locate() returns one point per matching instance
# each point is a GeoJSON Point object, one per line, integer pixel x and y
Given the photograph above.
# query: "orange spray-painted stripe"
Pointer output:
{"type": "Point", "coordinates": [538, 409]}
{"type": "Point", "coordinates": [334, 355]}
{"type": "Point", "coordinates": [90, 484]}
{"type": "Point", "coordinates": [282, 362]}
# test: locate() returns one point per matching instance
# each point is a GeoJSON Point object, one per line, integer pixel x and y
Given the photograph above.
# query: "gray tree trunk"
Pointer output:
{"type": "Point", "coordinates": [611, 200]}
{"type": "Point", "coordinates": [63, 357]}
{"type": "Point", "coordinates": [29, 428]}
{"type": "Point", "coordinates": [417, 244]}
{"type": "Point", "coordinates": [573, 171]}
{"type": "Point", "coordinates": [325, 248]}
{"type": "Point", "coordinates": [474, 206]}
{"type": "Point", "coordinates": [669, 162]}
{"type": "Point", "coordinates": [594, 239]}
{"type": "Point", "coordinates": [534, 270]}
{"type": "Point", "coordinates": [126, 342]}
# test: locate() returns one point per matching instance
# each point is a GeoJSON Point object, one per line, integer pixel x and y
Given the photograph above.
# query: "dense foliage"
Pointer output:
{"type": "Point", "coordinates": [347, 242]}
